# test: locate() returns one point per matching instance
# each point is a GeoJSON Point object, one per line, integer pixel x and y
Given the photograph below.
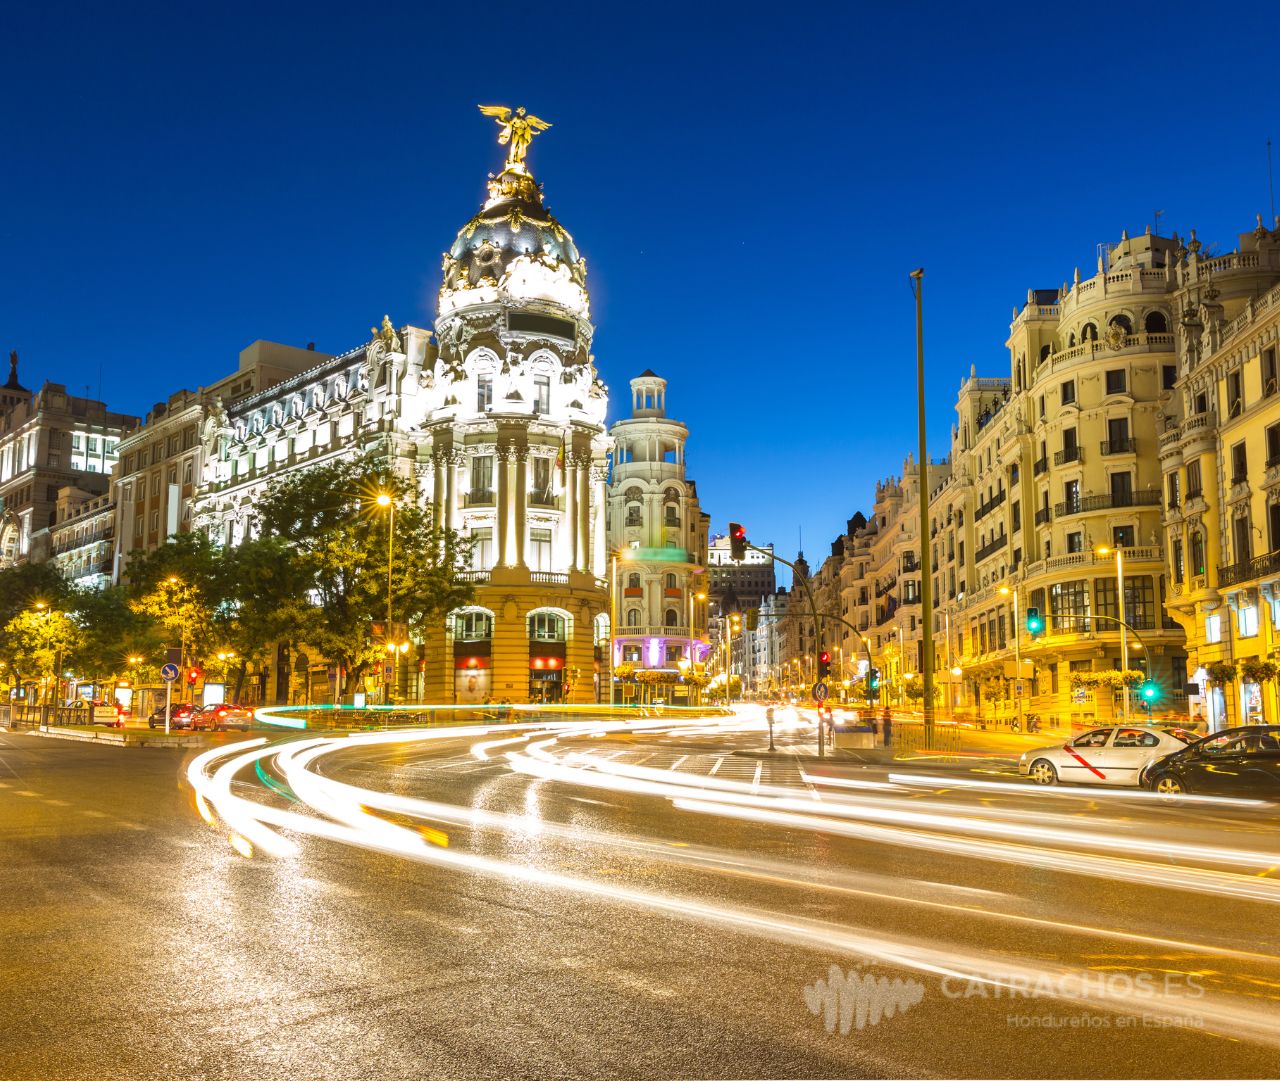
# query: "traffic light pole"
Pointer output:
{"type": "Point", "coordinates": [926, 575]}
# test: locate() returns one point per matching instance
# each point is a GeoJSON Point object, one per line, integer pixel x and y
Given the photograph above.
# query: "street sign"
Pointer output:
{"type": "Point", "coordinates": [1019, 689]}
{"type": "Point", "coordinates": [169, 673]}
{"type": "Point", "coordinates": [820, 692]}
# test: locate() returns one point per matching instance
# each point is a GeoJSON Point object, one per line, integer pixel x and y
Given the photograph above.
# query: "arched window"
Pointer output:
{"type": "Point", "coordinates": [633, 506]}
{"type": "Point", "coordinates": [1045, 352]}
{"type": "Point", "coordinates": [473, 626]}
{"type": "Point", "coordinates": [546, 626]}
{"type": "Point", "coordinates": [1123, 324]}
{"type": "Point", "coordinates": [670, 581]}
{"type": "Point", "coordinates": [1088, 333]}
{"type": "Point", "coordinates": [1071, 340]}
{"type": "Point", "coordinates": [633, 581]}
{"type": "Point", "coordinates": [633, 617]}
{"type": "Point", "coordinates": [671, 506]}
{"type": "Point", "coordinates": [1197, 552]}
{"type": "Point", "coordinates": [1156, 323]}
{"type": "Point", "coordinates": [672, 618]}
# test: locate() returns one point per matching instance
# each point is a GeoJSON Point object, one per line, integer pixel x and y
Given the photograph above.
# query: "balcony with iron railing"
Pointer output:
{"type": "Point", "coordinates": [991, 547]}
{"type": "Point", "coordinates": [986, 508]}
{"type": "Point", "coordinates": [1249, 569]}
{"type": "Point", "coordinates": [1067, 455]}
{"type": "Point", "coordinates": [1086, 503]}
{"type": "Point", "coordinates": [1040, 466]}
{"type": "Point", "coordinates": [478, 497]}
{"type": "Point", "coordinates": [1119, 446]}
{"type": "Point", "coordinates": [1043, 516]}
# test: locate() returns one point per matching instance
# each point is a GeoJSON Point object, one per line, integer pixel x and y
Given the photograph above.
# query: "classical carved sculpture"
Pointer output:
{"type": "Point", "coordinates": [518, 130]}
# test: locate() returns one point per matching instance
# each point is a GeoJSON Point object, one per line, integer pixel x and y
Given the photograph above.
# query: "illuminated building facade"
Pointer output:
{"type": "Point", "coordinates": [498, 422]}
{"type": "Point", "coordinates": [1220, 456]}
{"type": "Point", "coordinates": [658, 543]}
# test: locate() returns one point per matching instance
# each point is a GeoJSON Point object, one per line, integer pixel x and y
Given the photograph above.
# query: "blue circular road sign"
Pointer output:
{"type": "Point", "coordinates": [169, 673]}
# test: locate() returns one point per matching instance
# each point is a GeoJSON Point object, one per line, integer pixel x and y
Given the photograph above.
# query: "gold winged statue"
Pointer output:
{"type": "Point", "coordinates": [518, 130]}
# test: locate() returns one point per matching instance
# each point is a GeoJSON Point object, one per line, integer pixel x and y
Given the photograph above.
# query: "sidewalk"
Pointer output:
{"type": "Point", "coordinates": [972, 745]}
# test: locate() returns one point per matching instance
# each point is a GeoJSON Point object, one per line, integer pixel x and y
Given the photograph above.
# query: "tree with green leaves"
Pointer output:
{"type": "Point", "coordinates": [25, 585]}
{"type": "Point", "coordinates": [329, 524]}
{"type": "Point", "coordinates": [37, 643]}
{"type": "Point", "coordinates": [181, 587]}
{"type": "Point", "coordinates": [111, 631]}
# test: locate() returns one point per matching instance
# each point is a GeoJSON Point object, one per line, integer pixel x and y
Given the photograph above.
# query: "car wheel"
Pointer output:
{"type": "Point", "coordinates": [1042, 772]}
{"type": "Point", "coordinates": [1169, 785]}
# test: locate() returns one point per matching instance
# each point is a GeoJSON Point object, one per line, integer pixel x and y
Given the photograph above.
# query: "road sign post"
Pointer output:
{"type": "Point", "coordinates": [168, 673]}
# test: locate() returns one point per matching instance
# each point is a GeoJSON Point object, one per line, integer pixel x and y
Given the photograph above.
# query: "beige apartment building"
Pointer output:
{"type": "Point", "coordinates": [1220, 455]}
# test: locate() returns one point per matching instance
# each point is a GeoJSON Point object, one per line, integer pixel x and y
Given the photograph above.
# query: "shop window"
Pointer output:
{"type": "Point", "coordinates": [473, 626]}
{"type": "Point", "coordinates": [546, 627]}
{"type": "Point", "coordinates": [1213, 629]}
{"type": "Point", "coordinates": [1247, 621]}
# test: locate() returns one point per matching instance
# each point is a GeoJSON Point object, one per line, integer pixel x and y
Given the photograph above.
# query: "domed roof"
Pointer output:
{"type": "Point", "coordinates": [514, 245]}
{"type": "Point", "coordinates": [512, 223]}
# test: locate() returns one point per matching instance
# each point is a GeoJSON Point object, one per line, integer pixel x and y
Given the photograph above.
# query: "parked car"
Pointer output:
{"type": "Point", "coordinates": [180, 717]}
{"type": "Point", "coordinates": [1116, 755]}
{"type": "Point", "coordinates": [223, 715]}
{"type": "Point", "coordinates": [1242, 762]}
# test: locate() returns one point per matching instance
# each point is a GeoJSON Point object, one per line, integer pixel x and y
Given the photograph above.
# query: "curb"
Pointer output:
{"type": "Point", "coordinates": [941, 760]}
{"type": "Point", "coordinates": [113, 739]}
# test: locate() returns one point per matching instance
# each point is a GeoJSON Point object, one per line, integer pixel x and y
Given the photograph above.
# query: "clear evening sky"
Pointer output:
{"type": "Point", "coordinates": [750, 185]}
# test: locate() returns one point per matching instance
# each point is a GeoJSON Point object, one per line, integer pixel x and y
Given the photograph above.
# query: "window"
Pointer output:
{"type": "Point", "coordinates": [1135, 737]}
{"type": "Point", "coordinates": [1172, 482]}
{"type": "Point", "coordinates": [673, 655]}
{"type": "Point", "coordinates": [1116, 381]}
{"type": "Point", "coordinates": [1068, 392]}
{"type": "Point", "coordinates": [1197, 552]}
{"type": "Point", "coordinates": [1239, 464]}
{"type": "Point", "coordinates": [484, 393]}
{"type": "Point", "coordinates": [1017, 516]}
{"type": "Point", "coordinates": [1042, 407]}
{"type": "Point", "coordinates": [1269, 371]}
{"type": "Point", "coordinates": [1168, 376]}
{"type": "Point", "coordinates": [1088, 333]}
{"type": "Point", "coordinates": [1075, 542]}
{"type": "Point", "coordinates": [1241, 528]}
{"type": "Point", "coordinates": [547, 626]}
{"type": "Point", "coordinates": [1118, 435]}
{"type": "Point", "coordinates": [1201, 404]}
{"type": "Point", "coordinates": [188, 471]}
{"type": "Point", "coordinates": [1122, 324]}
{"type": "Point", "coordinates": [1194, 490]}
{"type": "Point", "coordinates": [1213, 629]}
{"type": "Point", "coordinates": [1273, 445]}
{"type": "Point", "coordinates": [482, 548]}
{"type": "Point", "coordinates": [1139, 602]}
{"type": "Point", "coordinates": [1247, 622]}
{"type": "Point", "coordinates": [633, 581]}
{"type": "Point", "coordinates": [1122, 536]}
{"type": "Point", "coordinates": [482, 474]}
{"type": "Point", "coordinates": [1092, 739]}
{"type": "Point", "coordinates": [1071, 497]}
{"type": "Point", "coordinates": [633, 617]}
{"type": "Point", "coordinates": [1122, 489]}
{"type": "Point", "coordinates": [670, 582]}
{"type": "Point", "coordinates": [671, 618]}
{"type": "Point", "coordinates": [1179, 570]}
{"type": "Point", "coordinates": [473, 626]}
{"type": "Point", "coordinates": [1235, 394]}
{"type": "Point", "coordinates": [542, 394]}
{"type": "Point", "coordinates": [1070, 603]}
{"type": "Point", "coordinates": [1156, 323]}
{"type": "Point", "coordinates": [540, 549]}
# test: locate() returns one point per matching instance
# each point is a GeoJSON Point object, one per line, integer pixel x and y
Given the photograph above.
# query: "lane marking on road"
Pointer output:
{"type": "Point", "coordinates": [676, 763]}
{"type": "Point", "coordinates": [755, 781]}
{"type": "Point", "coordinates": [56, 802]}
{"type": "Point", "coordinates": [94, 814]}
{"type": "Point", "coordinates": [719, 763]}
{"type": "Point", "coordinates": [25, 792]}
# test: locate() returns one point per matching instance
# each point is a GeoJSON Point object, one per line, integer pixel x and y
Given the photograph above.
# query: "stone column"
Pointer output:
{"type": "Point", "coordinates": [521, 453]}
{"type": "Point", "coordinates": [439, 468]}
{"type": "Point", "coordinates": [453, 460]}
{"type": "Point", "coordinates": [502, 504]}
{"type": "Point", "coordinates": [600, 542]}
{"type": "Point", "coordinates": [584, 512]}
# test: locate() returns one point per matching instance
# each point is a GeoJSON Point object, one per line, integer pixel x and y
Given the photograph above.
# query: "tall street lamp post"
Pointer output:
{"type": "Point", "coordinates": [926, 577]}
{"type": "Point", "coordinates": [387, 503]}
{"type": "Point", "coordinates": [1017, 648]}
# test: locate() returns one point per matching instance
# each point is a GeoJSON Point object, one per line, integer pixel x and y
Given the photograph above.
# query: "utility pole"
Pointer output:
{"type": "Point", "coordinates": [926, 580]}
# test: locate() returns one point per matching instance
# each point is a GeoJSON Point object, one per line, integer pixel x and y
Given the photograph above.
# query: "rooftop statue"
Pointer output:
{"type": "Point", "coordinates": [518, 130]}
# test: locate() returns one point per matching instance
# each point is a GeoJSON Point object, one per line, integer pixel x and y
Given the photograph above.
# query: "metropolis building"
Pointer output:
{"type": "Point", "coordinates": [498, 420]}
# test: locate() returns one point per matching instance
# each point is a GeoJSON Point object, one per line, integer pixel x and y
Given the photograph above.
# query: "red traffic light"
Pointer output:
{"type": "Point", "coordinates": [738, 532]}
{"type": "Point", "coordinates": [193, 676]}
{"type": "Point", "coordinates": [737, 541]}
{"type": "Point", "coordinates": [825, 657]}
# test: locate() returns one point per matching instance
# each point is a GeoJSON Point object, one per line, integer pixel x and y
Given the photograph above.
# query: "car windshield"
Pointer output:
{"type": "Point", "coordinates": [1135, 737]}
{"type": "Point", "coordinates": [1092, 739]}
{"type": "Point", "coordinates": [1180, 734]}
{"type": "Point", "coordinates": [1229, 743]}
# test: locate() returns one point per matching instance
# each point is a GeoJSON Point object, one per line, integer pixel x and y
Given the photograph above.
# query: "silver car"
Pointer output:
{"type": "Point", "coordinates": [1116, 755]}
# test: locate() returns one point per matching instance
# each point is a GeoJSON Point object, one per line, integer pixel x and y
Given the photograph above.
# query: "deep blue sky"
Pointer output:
{"type": "Point", "coordinates": [750, 186]}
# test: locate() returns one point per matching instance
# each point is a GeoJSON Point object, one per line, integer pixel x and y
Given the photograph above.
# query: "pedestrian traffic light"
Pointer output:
{"type": "Point", "coordinates": [193, 675]}
{"type": "Point", "coordinates": [824, 664]}
{"type": "Point", "coordinates": [737, 542]}
{"type": "Point", "coordinates": [873, 680]}
{"type": "Point", "coordinates": [1035, 622]}
{"type": "Point", "coordinates": [1149, 691]}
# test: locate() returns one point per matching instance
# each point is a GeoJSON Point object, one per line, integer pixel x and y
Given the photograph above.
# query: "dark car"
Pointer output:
{"type": "Point", "coordinates": [180, 716]}
{"type": "Point", "coordinates": [1242, 762]}
{"type": "Point", "coordinates": [223, 715]}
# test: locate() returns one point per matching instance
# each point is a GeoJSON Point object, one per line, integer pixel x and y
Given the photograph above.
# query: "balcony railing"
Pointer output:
{"type": "Point", "coordinates": [1043, 516]}
{"type": "Point", "coordinates": [1067, 454]}
{"type": "Point", "coordinates": [479, 497]}
{"type": "Point", "coordinates": [474, 577]}
{"type": "Point", "coordinates": [549, 578]}
{"type": "Point", "coordinates": [1086, 503]}
{"type": "Point", "coordinates": [1118, 446]}
{"type": "Point", "coordinates": [991, 547]}
{"type": "Point", "coordinates": [542, 499]}
{"type": "Point", "coordinates": [1040, 466]}
{"type": "Point", "coordinates": [1194, 493]}
{"type": "Point", "coordinates": [990, 505]}
{"type": "Point", "coordinates": [1249, 569]}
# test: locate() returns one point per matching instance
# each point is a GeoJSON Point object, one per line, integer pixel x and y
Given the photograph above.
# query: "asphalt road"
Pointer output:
{"type": "Point", "coordinates": [139, 944]}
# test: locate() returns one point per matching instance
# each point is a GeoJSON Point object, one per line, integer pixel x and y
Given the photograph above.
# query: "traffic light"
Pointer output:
{"type": "Point", "coordinates": [873, 684]}
{"type": "Point", "coordinates": [824, 664]}
{"type": "Point", "coordinates": [193, 675]}
{"type": "Point", "coordinates": [753, 619]}
{"type": "Point", "coordinates": [737, 542]}
{"type": "Point", "coordinates": [1035, 622]}
{"type": "Point", "coordinates": [1149, 691]}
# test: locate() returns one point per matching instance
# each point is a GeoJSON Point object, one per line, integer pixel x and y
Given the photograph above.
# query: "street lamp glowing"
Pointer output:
{"type": "Point", "coordinates": [135, 660]}
{"type": "Point", "coordinates": [173, 579]}
{"type": "Point", "coordinates": [1103, 550]}
{"type": "Point", "coordinates": [383, 500]}
{"type": "Point", "coordinates": [1004, 591]}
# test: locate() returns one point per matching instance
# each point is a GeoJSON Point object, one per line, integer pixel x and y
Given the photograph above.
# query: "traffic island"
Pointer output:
{"type": "Point", "coordinates": [115, 737]}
